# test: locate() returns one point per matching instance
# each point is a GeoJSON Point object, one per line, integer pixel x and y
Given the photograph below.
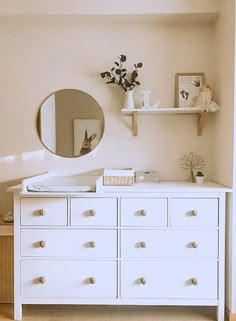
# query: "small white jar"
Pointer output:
{"type": "Point", "coordinates": [199, 179]}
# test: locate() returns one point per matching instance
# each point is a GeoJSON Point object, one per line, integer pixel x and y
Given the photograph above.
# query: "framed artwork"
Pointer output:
{"type": "Point", "coordinates": [87, 135]}
{"type": "Point", "coordinates": [187, 88]}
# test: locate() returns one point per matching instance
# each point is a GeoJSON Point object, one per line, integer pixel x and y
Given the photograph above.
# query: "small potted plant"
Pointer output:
{"type": "Point", "coordinates": [126, 81]}
{"type": "Point", "coordinates": [199, 177]}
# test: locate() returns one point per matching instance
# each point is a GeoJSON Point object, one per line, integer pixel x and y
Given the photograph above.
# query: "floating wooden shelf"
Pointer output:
{"type": "Point", "coordinates": [202, 115]}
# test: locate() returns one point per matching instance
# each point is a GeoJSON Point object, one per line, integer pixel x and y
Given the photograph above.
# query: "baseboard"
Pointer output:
{"type": "Point", "coordinates": [229, 316]}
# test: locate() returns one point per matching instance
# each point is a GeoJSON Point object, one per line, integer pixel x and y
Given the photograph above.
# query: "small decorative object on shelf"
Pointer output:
{"type": "Point", "coordinates": [204, 100]}
{"type": "Point", "coordinates": [119, 76]}
{"type": "Point", "coordinates": [146, 98]}
{"type": "Point", "coordinates": [205, 96]}
{"type": "Point", "coordinates": [192, 161]}
{"type": "Point", "coordinates": [199, 178]}
{"type": "Point", "coordinates": [129, 100]}
{"type": "Point", "coordinates": [146, 101]}
{"type": "Point", "coordinates": [146, 177]}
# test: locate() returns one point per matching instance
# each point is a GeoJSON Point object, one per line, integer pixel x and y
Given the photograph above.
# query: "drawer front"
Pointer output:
{"type": "Point", "coordinates": [194, 212]}
{"type": "Point", "coordinates": [143, 212]}
{"type": "Point", "coordinates": [172, 279]}
{"type": "Point", "coordinates": [53, 279]}
{"type": "Point", "coordinates": [93, 211]}
{"type": "Point", "coordinates": [169, 244]}
{"type": "Point", "coordinates": [68, 243]}
{"type": "Point", "coordinates": [44, 211]}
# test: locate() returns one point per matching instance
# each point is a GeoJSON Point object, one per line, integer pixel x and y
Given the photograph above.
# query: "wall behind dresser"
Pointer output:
{"type": "Point", "coordinates": [40, 55]}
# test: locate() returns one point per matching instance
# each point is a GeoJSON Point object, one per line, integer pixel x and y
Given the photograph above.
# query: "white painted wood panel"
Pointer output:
{"type": "Point", "coordinates": [169, 279]}
{"type": "Point", "coordinates": [68, 243]}
{"type": "Point", "coordinates": [43, 211]}
{"type": "Point", "coordinates": [192, 244]}
{"type": "Point", "coordinates": [94, 211]}
{"type": "Point", "coordinates": [143, 211]}
{"type": "Point", "coordinates": [194, 212]}
{"type": "Point", "coordinates": [68, 279]}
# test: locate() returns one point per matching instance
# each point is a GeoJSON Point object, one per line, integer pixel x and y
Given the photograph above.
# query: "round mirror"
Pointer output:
{"type": "Point", "coordinates": [70, 123]}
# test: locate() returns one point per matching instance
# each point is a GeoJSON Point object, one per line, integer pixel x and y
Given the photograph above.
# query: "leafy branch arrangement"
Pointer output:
{"type": "Point", "coordinates": [119, 76]}
{"type": "Point", "coordinates": [192, 161]}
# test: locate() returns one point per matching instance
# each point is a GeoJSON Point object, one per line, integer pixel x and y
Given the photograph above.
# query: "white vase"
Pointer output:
{"type": "Point", "coordinates": [129, 100]}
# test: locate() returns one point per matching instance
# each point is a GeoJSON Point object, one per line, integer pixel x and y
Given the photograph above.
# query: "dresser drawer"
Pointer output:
{"type": "Point", "coordinates": [171, 279]}
{"type": "Point", "coordinates": [68, 243]}
{"type": "Point", "coordinates": [169, 244]}
{"type": "Point", "coordinates": [61, 279]}
{"type": "Point", "coordinates": [143, 211]}
{"type": "Point", "coordinates": [93, 211]}
{"type": "Point", "coordinates": [194, 212]}
{"type": "Point", "coordinates": [43, 211]}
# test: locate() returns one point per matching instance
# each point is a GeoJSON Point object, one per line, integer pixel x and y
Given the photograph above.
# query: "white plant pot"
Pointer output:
{"type": "Point", "coordinates": [199, 179]}
{"type": "Point", "coordinates": [129, 100]}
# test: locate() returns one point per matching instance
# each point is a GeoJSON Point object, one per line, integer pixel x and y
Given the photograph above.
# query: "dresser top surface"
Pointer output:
{"type": "Point", "coordinates": [161, 187]}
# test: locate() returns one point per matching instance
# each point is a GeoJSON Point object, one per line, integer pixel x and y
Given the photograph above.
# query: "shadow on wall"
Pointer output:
{"type": "Point", "coordinates": [13, 165]}
{"type": "Point", "coordinates": [10, 166]}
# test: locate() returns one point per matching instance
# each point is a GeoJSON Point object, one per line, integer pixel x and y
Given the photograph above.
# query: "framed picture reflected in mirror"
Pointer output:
{"type": "Point", "coordinates": [87, 135]}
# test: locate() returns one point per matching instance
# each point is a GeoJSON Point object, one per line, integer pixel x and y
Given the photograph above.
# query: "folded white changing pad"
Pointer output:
{"type": "Point", "coordinates": [73, 183]}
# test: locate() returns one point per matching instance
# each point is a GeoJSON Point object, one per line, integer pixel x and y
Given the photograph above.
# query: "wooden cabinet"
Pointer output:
{"type": "Point", "coordinates": [6, 262]}
{"type": "Point", "coordinates": [160, 245]}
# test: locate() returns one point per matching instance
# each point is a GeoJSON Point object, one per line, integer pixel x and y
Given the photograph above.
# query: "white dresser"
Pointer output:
{"type": "Point", "coordinates": [153, 244]}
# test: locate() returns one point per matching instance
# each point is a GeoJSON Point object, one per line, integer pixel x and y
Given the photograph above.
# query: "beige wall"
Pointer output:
{"type": "Point", "coordinates": [40, 57]}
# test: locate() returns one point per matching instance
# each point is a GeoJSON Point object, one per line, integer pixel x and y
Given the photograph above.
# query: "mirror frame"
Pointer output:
{"type": "Point", "coordinates": [89, 136]}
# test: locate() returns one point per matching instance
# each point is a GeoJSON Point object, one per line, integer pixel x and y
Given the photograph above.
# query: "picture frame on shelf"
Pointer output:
{"type": "Point", "coordinates": [187, 88]}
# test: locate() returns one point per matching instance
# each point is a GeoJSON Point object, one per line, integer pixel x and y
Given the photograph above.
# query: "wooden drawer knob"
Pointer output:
{"type": "Point", "coordinates": [42, 280]}
{"type": "Point", "coordinates": [143, 213]}
{"type": "Point", "coordinates": [42, 243]}
{"type": "Point", "coordinates": [92, 280]}
{"type": "Point", "coordinates": [194, 245]}
{"type": "Point", "coordinates": [92, 212]}
{"type": "Point", "coordinates": [41, 212]}
{"type": "Point", "coordinates": [143, 245]}
{"type": "Point", "coordinates": [92, 244]}
{"type": "Point", "coordinates": [142, 281]}
{"type": "Point", "coordinates": [194, 212]}
{"type": "Point", "coordinates": [194, 281]}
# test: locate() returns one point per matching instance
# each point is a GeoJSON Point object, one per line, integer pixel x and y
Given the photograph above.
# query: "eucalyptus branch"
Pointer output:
{"type": "Point", "coordinates": [118, 75]}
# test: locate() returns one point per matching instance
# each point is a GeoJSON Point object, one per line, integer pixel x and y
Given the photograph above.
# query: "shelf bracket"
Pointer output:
{"type": "Point", "coordinates": [201, 120]}
{"type": "Point", "coordinates": [135, 123]}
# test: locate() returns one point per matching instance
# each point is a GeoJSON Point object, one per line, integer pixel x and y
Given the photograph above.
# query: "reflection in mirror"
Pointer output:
{"type": "Point", "coordinates": [71, 123]}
